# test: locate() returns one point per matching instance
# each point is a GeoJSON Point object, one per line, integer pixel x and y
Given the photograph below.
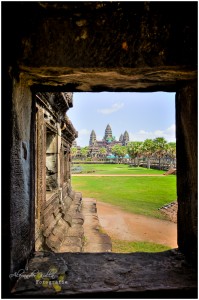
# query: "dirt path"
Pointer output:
{"type": "Point", "coordinates": [127, 226]}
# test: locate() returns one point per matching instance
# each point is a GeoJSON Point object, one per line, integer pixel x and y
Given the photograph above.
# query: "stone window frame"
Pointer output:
{"type": "Point", "coordinates": [24, 68]}
{"type": "Point", "coordinates": [65, 167]}
{"type": "Point", "coordinates": [53, 130]}
{"type": "Point", "coordinates": [181, 99]}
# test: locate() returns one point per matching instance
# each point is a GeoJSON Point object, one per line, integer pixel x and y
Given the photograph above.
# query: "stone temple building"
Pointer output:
{"type": "Point", "coordinates": [91, 47]}
{"type": "Point", "coordinates": [107, 142]}
{"type": "Point", "coordinates": [57, 207]}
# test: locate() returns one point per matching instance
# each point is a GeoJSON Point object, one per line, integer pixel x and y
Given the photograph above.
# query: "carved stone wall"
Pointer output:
{"type": "Point", "coordinates": [113, 46]}
{"type": "Point", "coordinates": [55, 212]}
{"type": "Point", "coordinates": [21, 181]}
{"type": "Point", "coordinates": [187, 164]}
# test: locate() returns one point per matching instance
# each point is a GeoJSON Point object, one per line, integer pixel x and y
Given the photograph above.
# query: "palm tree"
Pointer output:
{"type": "Point", "coordinates": [160, 148]}
{"type": "Point", "coordinates": [171, 152]}
{"type": "Point", "coordinates": [122, 152]}
{"type": "Point", "coordinates": [134, 150]}
{"type": "Point", "coordinates": [148, 150]}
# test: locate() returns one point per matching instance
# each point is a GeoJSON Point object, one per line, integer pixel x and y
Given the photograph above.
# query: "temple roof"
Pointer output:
{"type": "Point", "coordinates": [93, 133]}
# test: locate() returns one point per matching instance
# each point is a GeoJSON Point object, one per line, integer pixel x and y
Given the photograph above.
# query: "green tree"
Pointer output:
{"type": "Point", "coordinates": [135, 150]}
{"type": "Point", "coordinates": [74, 152]}
{"type": "Point", "coordinates": [148, 150]}
{"type": "Point", "coordinates": [84, 152]}
{"type": "Point", "coordinates": [171, 152]}
{"type": "Point", "coordinates": [119, 151]}
{"type": "Point", "coordinates": [160, 148]}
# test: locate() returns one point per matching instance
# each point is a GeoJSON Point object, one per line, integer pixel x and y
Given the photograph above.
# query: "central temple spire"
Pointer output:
{"type": "Point", "coordinates": [108, 140]}
{"type": "Point", "coordinates": [108, 133]}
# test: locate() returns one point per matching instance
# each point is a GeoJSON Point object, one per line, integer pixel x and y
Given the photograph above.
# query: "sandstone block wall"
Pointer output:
{"type": "Point", "coordinates": [112, 47]}
{"type": "Point", "coordinates": [187, 164]}
{"type": "Point", "coordinates": [21, 176]}
{"type": "Point", "coordinates": [60, 215]}
{"type": "Point", "coordinates": [57, 209]}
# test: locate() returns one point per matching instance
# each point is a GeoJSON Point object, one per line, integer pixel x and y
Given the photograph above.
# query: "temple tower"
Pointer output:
{"type": "Point", "coordinates": [125, 138]}
{"type": "Point", "coordinates": [92, 141]}
{"type": "Point", "coordinates": [121, 138]}
{"type": "Point", "coordinates": [108, 133]}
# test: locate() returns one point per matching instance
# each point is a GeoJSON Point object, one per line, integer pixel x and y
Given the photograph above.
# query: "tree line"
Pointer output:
{"type": "Point", "coordinates": [157, 149]}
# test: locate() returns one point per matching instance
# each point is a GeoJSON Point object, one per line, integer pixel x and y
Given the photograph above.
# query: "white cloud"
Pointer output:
{"type": "Point", "coordinates": [83, 132]}
{"type": "Point", "coordinates": [115, 107]}
{"type": "Point", "coordinates": [171, 129]}
{"type": "Point", "coordinates": [159, 133]}
{"type": "Point", "coordinates": [141, 135]}
{"type": "Point", "coordinates": [83, 137]}
{"type": "Point", "coordinates": [142, 132]}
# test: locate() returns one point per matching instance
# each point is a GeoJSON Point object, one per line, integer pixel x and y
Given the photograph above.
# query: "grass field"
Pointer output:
{"type": "Point", "coordinates": [116, 169]}
{"type": "Point", "coordinates": [124, 246]}
{"type": "Point", "coordinates": [121, 246]}
{"type": "Point", "coordinates": [140, 195]}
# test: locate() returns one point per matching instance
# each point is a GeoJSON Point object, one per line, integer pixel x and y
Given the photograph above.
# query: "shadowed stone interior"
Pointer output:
{"type": "Point", "coordinates": [110, 273]}
{"type": "Point", "coordinates": [95, 46]}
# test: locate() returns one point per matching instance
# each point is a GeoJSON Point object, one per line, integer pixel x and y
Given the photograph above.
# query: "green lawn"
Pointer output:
{"type": "Point", "coordinates": [116, 169]}
{"type": "Point", "coordinates": [121, 246]}
{"type": "Point", "coordinates": [140, 195]}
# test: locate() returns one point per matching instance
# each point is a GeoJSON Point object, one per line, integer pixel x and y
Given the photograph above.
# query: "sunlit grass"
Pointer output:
{"type": "Point", "coordinates": [121, 246]}
{"type": "Point", "coordinates": [140, 195]}
{"type": "Point", "coordinates": [116, 169]}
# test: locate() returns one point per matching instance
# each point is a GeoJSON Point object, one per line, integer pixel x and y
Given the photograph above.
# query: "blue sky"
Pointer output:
{"type": "Point", "coordinates": [143, 115]}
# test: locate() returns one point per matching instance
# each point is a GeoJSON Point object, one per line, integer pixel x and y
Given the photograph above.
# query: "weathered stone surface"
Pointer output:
{"type": "Point", "coordinates": [56, 205]}
{"type": "Point", "coordinates": [100, 79]}
{"type": "Point", "coordinates": [59, 226]}
{"type": "Point", "coordinates": [21, 209]}
{"type": "Point", "coordinates": [67, 202]}
{"type": "Point", "coordinates": [76, 231]}
{"type": "Point", "coordinates": [72, 240]}
{"type": "Point", "coordinates": [186, 147]}
{"type": "Point", "coordinates": [149, 47]}
{"type": "Point", "coordinates": [68, 219]}
{"type": "Point", "coordinates": [94, 239]}
{"type": "Point", "coordinates": [70, 248]}
{"type": "Point", "coordinates": [153, 47]}
{"type": "Point", "coordinates": [77, 220]}
{"type": "Point", "coordinates": [170, 210]}
{"type": "Point", "coordinates": [171, 171]}
{"type": "Point", "coordinates": [60, 231]}
{"type": "Point", "coordinates": [58, 220]}
{"type": "Point", "coordinates": [54, 242]}
{"type": "Point", "coordinates": [51, 182]}
{"type": "Point", "coordinates": [132, 273]}
{"type": "Point", "coordinates": [146, 35]}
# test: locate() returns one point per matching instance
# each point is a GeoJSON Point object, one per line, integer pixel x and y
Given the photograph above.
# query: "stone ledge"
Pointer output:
{"type": "Point", "coordinates": [136, 273]}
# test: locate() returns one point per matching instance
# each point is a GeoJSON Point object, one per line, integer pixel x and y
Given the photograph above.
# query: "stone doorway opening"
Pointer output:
{"type": "Point", "coordinates": [99, 216]}
{"type": "Point", "coordinates": [53, 171]}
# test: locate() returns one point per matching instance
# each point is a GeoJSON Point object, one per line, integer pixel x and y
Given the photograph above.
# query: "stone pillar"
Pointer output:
{"type": "Point", "coordinates": [59, 155]}
{"type": "Point", "coordinates": [40, 175]}
{"type": "Point", "coordinates": [186, 144]}
{"type": "Point", "coordinates": [21, 181]}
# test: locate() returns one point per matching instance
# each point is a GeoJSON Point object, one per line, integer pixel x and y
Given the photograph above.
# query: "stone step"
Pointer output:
{"type": "Point", "coordinates": [95, 240]}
